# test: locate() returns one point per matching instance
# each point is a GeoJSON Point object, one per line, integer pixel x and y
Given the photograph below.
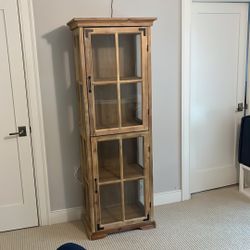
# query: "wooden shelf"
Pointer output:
{"type": "Point", "coordinates": [107, 126]}
{"type": "Point", "coordinates": [133, 171]}
{"type": "Point", "coordinates": [108, 176]}
{"type": "Point", "coordinates": [113, 214]}
{"type": "Point", "coordinates": [134, 211]}
{"type": "Point", "coordinates": [136, 122]}
{"type": "Point", "coordinates": [124, 80]}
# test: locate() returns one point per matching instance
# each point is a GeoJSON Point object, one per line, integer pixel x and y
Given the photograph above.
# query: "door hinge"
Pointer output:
{"type": "Point", "coordinates": [150, 204]}
{"type": "Point", "coordinates": [30, 130]}
{"type": "Point", "coordinates": [87, 31]}
{"type": "Point", "coordinates": [144, 31]}
{"type": "Point", "coordinates": [99, 227]}
{"type": "Point", "coordinates": [148, 112]}
{"type": "Point", "coordinates": [149, 149]}
{"type": "Point", "coordinates": [96, 189]}
{"type": "Point", "coordinates": [89, 84]}
{"type": "Point", "coordinates": [147, 47]}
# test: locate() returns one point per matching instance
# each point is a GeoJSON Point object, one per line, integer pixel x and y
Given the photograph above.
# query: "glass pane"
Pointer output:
{"type": "Point", "coordinates": [111, 206]}
{"type": "Point", "coordinates": [133, 157]}
{"type": "Point", "coordinates": [134, 199]}
{"type": "Point", "coordinates": [108, 160]}
{"type": "Point", "coordinates": [130, 56]}
{"type": "Point", "coordinates": [106, 106]}
{"type": "Point", "coordinates": [131, 104]}
{"type": "Point", "coordinates": [104, 57]}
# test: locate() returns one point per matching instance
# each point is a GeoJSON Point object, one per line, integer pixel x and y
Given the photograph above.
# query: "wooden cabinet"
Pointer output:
{"type": "Point", "coordinates": [113, 74]}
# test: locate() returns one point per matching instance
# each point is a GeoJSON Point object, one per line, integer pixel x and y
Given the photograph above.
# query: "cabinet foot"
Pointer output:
{"type": "Point", "coordinates": [149, 226]}
{"type": "Point", "coordinates": [103, 233]}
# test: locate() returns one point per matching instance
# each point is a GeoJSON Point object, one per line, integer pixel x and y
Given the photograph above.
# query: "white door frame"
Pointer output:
{"type": "Point", "coordinates": [185, 95]}
{"type": "Point", "coordinates": [28, 38]}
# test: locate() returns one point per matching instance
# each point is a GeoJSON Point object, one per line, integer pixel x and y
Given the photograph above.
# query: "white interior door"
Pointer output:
{"type": "Point", "coordinates": [17, 190]}
{"type": "Point", "coordinates": [218, 64]}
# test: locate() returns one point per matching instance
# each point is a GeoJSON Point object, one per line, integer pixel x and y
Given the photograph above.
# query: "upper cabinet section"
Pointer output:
{"type": "Point", "coordinates": [116, 73]}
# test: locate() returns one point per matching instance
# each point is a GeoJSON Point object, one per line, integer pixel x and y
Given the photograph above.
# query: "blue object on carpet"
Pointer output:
{"type": "Point", "coordinates": [244, 145]}
{"type": "Point", "coordinates": [70, 246]}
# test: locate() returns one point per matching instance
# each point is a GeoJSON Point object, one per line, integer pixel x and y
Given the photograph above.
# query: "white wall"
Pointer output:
{"type": "Point", "coordinates": [56, 67]}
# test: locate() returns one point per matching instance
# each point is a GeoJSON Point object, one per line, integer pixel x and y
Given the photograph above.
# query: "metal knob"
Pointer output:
{"type": "Point", "coordinates": [21, 132]}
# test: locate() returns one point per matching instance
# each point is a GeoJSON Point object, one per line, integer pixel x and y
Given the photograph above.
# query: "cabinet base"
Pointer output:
{"type": "Point", "coordinates": [103, 233]}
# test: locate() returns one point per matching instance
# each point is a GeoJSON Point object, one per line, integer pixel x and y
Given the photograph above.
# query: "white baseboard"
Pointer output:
{"type": "Point", "coordinates": [65, 215]}
{"type": "Point", "coordinates": [168, 197]}
{"type": "Point", "coordinates": [75, 213]}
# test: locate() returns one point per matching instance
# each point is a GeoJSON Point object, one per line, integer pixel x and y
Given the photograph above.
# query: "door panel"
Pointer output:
{"type": "Point", "coordinates": [218, 63]}
{"type": "Point", "coordinates": [121, 170]}
{"type": "Point", "coordinates": [17, 191]}
{"type": "Point", "coordinates": [117, 69]}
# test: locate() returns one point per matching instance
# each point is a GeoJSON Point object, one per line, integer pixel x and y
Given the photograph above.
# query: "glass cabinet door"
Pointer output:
{"type": "Point", "coordinates": [117, 82]}
{"type": "Point", "coordinates": [122, 177]}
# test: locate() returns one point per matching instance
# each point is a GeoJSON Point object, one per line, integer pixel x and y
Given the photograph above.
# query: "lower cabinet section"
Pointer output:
{"type": "Point", "coordinates": [121, 183]}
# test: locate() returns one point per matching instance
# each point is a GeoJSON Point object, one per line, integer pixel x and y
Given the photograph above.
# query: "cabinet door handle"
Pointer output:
{"type": "Point", "coordinates": [89, 84]}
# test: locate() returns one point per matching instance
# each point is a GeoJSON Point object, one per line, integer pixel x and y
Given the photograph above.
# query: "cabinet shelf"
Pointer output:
{"type": "Point", "coordinates": [114, 81]}
{"type": "Point", "coordinates": [108, 175]}
{"type": "Point", "coordinates": [112, 214]}
{"type": "Point", "coordinates": [131, 171]}
{"type": "Point", "coordinates": [136, 122]}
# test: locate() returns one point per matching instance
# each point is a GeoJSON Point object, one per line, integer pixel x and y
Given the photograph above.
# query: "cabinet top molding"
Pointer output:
{"type": "Point", "coordinates": [111, 22]}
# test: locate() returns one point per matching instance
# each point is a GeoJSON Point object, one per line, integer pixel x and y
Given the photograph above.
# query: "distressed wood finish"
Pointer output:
{"type": "Point", "coordinates": [110, 22]}
{"type": "Point", "coordinates": [113, 76]}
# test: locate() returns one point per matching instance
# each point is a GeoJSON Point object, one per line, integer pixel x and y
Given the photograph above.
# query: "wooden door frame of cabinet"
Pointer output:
{"type": "Point", "coordinates": [90, 86]}
{"type": "Point", "coordinates": [147, 180]}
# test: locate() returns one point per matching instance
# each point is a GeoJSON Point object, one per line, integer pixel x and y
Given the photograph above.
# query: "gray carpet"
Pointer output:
{"type": "Point", "coordinates": [218, 219]}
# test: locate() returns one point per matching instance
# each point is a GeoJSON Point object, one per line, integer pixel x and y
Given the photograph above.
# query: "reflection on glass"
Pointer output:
{"type": "Point", "coordinates": [134, 199]}
{"type": "Point", "coordinates": [106, 106]}
{"type": "Point", "coordinates": [130, 56]}
{"type": "Point", "coordinates": [104, 57]}
{"type": "Point", "coordinates": [133, 157]}
{"type": "Point", "coordinates": [108, 160]}
{"type": "Point", "coordinates": [131, 104]}
{"type": "Point", "coordinates": [110, 202]}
